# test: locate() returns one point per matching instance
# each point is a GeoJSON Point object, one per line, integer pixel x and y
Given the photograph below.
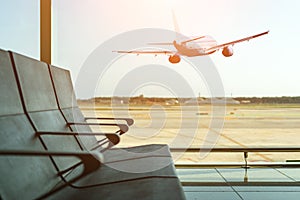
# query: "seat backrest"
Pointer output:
{"type": "Point", "coordinates": [67, 102]}
{"type": "Point", "coordinates": [41, 105]}
{"type": "Point", "coordinates": [21, 177]}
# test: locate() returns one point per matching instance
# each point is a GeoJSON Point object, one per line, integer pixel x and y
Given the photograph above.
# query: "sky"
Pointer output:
{"type": "Point", "coordinates": [266, 66]}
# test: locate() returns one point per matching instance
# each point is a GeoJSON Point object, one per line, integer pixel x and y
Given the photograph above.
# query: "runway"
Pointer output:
{"type": "Point", "coordinates": [183, 126]}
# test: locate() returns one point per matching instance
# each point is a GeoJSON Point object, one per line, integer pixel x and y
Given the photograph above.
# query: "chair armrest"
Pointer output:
{"type": "Point", "coordinates": [112, 137]}
{"type": "Point", "coordinates": [129, 121]}
{"type": "Point", "coordinates": [123, 127]}
{"type": "Point", "coordinates": [91, 159]}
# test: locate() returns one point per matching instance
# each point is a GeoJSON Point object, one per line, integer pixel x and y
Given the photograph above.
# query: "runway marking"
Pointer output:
{"type": "Point", "coordinates": [238, 143]}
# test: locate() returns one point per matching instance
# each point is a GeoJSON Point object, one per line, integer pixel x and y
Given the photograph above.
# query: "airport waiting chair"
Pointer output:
{"type": "Point", "coordinates": [68, 105]}
{"type": "Point", "coordinates": [26, 170]}
{"type": "Point", "coordinates": [43, 157]}
{"type": "Point", "coordinates": [115, 157]}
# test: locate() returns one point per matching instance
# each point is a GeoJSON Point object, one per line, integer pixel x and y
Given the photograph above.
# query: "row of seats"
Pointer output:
{"type": "Point", "coordinates": [48, 150]}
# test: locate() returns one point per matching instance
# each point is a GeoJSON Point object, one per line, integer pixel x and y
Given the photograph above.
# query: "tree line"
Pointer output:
{"type": "Point", "coordinates": [270, 100]}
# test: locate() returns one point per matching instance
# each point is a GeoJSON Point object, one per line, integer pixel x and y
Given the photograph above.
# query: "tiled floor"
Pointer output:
{"type": "Point", "coordinates": [238, 183]}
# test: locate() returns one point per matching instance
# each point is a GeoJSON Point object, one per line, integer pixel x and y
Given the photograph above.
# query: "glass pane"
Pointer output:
{"type": "Point", "coordinates": [19, 22]}
{"type": "Point", "coordinates": [160, 114]}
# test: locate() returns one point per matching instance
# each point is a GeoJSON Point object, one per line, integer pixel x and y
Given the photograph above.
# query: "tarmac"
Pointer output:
{"type": "Point", "coordinates": [198, 126]}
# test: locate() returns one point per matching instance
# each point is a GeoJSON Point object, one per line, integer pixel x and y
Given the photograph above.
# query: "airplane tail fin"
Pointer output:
{"type": "Point", "coordinates": [176, 26]}
{"type": "Point", "coordinates": [178, 36]}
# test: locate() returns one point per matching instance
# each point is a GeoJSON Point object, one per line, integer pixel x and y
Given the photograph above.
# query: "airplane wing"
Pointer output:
{"type": "Point", "coordinates": [221, 46]}
{"type": "Point", "coordinates": [148, 52]}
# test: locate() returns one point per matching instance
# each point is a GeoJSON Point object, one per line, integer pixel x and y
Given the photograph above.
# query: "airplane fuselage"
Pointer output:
{"type": "Point", "coordinates": [193, 49]}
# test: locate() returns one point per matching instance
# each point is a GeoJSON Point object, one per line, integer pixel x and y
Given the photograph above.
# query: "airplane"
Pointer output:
{"type": "Point", "coordinates": [198, 46]}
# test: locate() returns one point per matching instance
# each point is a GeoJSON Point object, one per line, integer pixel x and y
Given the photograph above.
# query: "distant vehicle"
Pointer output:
{"type": "Point", "coordinates": [205, 45]}
{"type": "Point", "coordinates": [198, 46]}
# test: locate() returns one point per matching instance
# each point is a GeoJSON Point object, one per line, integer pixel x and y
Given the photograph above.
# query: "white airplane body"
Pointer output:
{"type": "Point", "coordinates": [198, 46]}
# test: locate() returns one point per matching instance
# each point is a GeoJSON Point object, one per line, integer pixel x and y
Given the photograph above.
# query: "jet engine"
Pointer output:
{"type": "Point", "coordinates": [174, 59]}
{"type": "Point", "coordinates": [227, 51]}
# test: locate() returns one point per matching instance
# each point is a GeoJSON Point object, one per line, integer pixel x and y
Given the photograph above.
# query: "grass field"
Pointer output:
{"type": "Point", "coordinates": [248, 125]}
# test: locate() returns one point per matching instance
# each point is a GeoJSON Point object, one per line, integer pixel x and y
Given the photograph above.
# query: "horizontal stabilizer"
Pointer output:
{"type": "Point", "coordinates": [193, 39]}
{"type": "Point", "coordinates": [148, 52]}
{"type": "Point", "coordinates": [160, 43]}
